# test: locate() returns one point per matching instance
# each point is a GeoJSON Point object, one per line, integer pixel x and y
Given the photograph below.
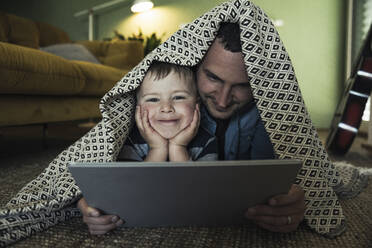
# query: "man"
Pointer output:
{"type": "Point", "coordinates": [225, 90]}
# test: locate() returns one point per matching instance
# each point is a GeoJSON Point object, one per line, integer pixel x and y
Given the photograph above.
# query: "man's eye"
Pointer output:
{"type": "Point", "coordinates": [179, 97]}
{"type": "Point", "coordinates": [152, 100]}
{"type": "Point", "coordinates": [212, 77]}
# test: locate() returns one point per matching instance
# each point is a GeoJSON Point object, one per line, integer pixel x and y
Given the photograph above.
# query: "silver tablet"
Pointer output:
{"type": "Point", "coordinates": [208, 193]}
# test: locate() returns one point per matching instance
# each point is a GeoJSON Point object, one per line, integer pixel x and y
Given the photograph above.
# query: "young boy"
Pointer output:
{"type": "Point", "coordinates": [167, 129]}
{"type": "Point", "coordinates": [167, 118]}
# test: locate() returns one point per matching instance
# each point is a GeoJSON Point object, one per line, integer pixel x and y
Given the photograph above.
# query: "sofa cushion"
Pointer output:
{"type": "Point", "coordinates": [124, 54]}
{"type": "Point", "coordinates": [23, 31]}
{"type": "Point", "coordinates": [22, 110]}
{"type": "Point", "coordinates": [97, 48]}
{"type": "Point", "coordinates": [50, 35]}
{"type": "Point", "coordinates": [4, 27]}
{"type": "Point", "coordinates": [30, 71]}
{"type": "Point", "coordinates": [71, 52]}
{"type": "Point", "coordinates": [121, 54]}
{"type": "Point", "coordinates": [99, 78]}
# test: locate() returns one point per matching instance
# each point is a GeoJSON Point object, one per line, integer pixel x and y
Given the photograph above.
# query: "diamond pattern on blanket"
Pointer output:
{"type": "Point", "coordinates": [50, 197]}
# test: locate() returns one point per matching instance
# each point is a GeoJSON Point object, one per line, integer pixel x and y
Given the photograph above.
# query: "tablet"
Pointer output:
{"type": "Point", "coordinates": [198, 193]}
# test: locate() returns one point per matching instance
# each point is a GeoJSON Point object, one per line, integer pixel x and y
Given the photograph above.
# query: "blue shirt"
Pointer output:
{"type": "Point", "coordinates": [245, 137]}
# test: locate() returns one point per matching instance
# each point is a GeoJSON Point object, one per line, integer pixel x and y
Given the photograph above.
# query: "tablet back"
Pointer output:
{"type": "Point", "coordinates": [151, 194]}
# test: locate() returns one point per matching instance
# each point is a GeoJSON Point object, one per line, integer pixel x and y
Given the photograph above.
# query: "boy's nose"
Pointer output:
{"type": "Point", "coordinates": [166, 107]}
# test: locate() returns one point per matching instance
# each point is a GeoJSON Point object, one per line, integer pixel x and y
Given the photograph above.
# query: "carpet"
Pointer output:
{"type": "Point", "coordinates": [74, 233]}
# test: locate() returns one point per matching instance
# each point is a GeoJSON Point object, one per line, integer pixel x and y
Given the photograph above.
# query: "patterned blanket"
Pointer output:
{"type": "Point", "coordinates": [50, 198]}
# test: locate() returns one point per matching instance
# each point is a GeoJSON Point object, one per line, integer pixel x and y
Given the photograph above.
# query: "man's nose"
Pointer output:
{"type": "Point", "coordinates": [166, 107]}
{"type": "Point", "coordinates": [224, 97]}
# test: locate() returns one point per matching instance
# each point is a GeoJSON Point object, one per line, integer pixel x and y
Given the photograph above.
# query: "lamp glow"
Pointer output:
{"type": "Point", "coordinates": [141, 6]}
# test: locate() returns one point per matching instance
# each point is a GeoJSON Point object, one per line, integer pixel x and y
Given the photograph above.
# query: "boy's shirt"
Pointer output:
{"type": "Point", "coordinates": [202, 147]}
{"type": "Point", "coordinates": [245, 138]}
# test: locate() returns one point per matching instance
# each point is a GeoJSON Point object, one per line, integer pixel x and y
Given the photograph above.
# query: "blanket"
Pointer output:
{"type": "Point", "coordinates": [51, 197]}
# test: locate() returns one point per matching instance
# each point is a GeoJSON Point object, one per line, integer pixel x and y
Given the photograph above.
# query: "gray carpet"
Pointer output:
{"type": "Point", "coordinates": [74, 233]}
{"type": "Point", "coordinates": [17, 170]}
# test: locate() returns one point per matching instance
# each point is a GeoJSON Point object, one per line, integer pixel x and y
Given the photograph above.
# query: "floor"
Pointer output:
{"type": "Point", "coordinates": [358, 154]}
{"type": "Point", "coordinates": [24, 140]}
{"type": "Point", "coordinates": [21, 150]}
{"type": "Point", "coordinates": [24, 154]}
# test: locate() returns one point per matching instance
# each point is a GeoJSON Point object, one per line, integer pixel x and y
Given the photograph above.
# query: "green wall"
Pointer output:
{"type": "Point", "coordinates": [313, 33]}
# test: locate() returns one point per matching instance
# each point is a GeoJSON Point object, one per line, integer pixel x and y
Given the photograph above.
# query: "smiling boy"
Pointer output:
{"type": "Point", "coordinates": [167, 119]}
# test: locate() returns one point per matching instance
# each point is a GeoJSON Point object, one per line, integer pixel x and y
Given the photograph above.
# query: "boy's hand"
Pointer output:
{"type": "Point", "coordinates": [178, 144]}
{"type": "Point", "coordinates": [184, 137]}
{"type": "Point", "coordinates": [150, 135]}
{"type": "Point", "coordinates": [97, 223]}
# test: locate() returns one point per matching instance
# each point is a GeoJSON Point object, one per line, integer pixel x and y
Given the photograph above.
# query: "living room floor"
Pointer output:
{"type": "Point", "coordinates": [24, 154]}
{"type": "Point", "coordinates": [23, 157]}
{"type": "Point", "coordinates": [25, 140]}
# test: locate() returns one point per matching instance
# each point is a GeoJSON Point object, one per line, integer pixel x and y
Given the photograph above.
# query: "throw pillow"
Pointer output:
{"type": "Point", "coordinates": [71, 52]}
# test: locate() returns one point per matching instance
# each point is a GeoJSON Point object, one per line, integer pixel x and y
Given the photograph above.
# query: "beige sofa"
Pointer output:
{"type": "Point", "coordinates": [40, 87]}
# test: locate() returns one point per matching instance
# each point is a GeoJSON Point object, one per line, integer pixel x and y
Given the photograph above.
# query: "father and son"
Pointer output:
{"type": "Point", "coordinates": [208, 114]}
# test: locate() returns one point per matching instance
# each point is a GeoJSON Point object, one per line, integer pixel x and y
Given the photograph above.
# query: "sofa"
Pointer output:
{"type": "Point", "coordinates": [39, 87]}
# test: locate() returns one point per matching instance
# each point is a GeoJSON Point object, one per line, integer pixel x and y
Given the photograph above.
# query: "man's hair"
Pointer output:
{"type": "Point", "coordinates": [229, 36]}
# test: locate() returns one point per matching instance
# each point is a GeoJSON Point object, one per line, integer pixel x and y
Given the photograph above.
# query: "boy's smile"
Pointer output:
{"type": "Point", "coordinates": [170, 122]}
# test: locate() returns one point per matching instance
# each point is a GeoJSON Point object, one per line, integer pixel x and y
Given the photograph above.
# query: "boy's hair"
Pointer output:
{"type": "Point", "coordinates": [229, 35]}
{"type": "Point", "coordinates": [159, 70]}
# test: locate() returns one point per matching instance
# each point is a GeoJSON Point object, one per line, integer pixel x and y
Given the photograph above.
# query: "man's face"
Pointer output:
{"type": "Point", "coordinates": [223, 82]}
{"type": "Point", "coordinates": [170, 103]}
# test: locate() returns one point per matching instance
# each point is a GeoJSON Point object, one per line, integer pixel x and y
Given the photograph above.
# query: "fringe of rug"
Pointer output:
{"type": "Point", "coordinates": [355, 179]}
{"type": "Point", "coordinates": [362, 170]}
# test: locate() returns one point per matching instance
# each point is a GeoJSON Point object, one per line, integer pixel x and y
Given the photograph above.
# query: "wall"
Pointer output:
{"type": "Point", "coordinates": [56, 12]}
{"type": "Point", "coordinates": [313, 33]}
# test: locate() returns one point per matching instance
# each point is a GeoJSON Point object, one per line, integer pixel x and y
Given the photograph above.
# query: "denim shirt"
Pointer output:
{"type": "Point", "coordinates": [245, 137]}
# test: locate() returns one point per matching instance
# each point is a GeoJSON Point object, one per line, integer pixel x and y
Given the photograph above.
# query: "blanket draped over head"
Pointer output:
{"type": "Point", "coordinates": [51, 197]}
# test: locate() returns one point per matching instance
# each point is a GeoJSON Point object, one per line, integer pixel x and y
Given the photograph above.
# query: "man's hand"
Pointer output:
{"type": "Point", "coordinates": [284, 213]}
{"type": "Point", "coordinates": [97, 223]}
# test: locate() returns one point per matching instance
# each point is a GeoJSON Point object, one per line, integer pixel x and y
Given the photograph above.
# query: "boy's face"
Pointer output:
{"type": "Point", "coordinates": [170, 103]}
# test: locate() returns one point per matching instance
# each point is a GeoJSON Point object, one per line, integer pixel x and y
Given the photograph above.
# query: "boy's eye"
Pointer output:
{"type": "Point", "coordinates": [178, 97]}
{"type": "Point", "coordinates": [153, 99]}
